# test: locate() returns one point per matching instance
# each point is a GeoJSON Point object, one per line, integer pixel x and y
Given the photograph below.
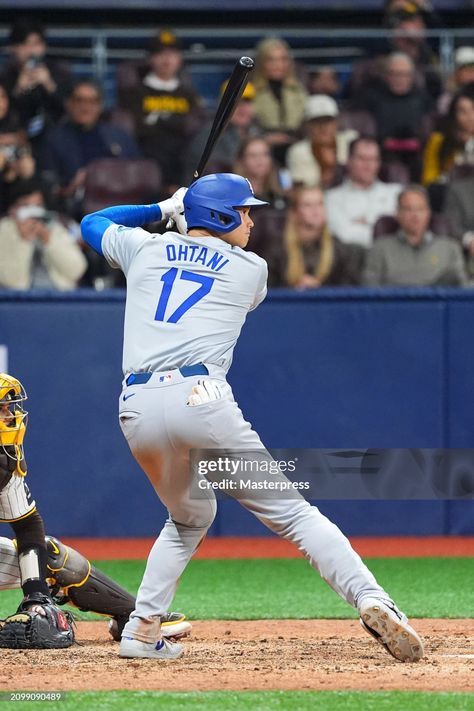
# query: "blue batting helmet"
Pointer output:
{"type": "Point", "coordinates": [211, 202]}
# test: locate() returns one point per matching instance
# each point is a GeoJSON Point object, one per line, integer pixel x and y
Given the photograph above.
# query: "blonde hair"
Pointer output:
{"type": "Point", "coordinates": [295, 268]}
{"type": "Point", "coordinates": [263, 49]}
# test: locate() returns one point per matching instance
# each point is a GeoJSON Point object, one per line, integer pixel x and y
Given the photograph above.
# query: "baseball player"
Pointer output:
{"type": "Point", "coordinates": [188, 294]}
{"type": "Point", "coordinates": [48, 571]}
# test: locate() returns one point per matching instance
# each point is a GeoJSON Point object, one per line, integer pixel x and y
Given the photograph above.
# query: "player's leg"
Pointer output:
{"type": "Point", "coordinates": [320, 540]}
{"type": "Point", "coordinates": [166, 465]}
{"type": "Point", "coordinates": [182, 533]}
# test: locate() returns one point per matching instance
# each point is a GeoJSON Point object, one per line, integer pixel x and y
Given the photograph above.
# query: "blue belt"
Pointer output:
{"type": "Point", "coordinates": [186, 371]}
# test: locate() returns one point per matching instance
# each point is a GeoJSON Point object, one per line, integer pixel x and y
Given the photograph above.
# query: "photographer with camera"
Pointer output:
{"type": "Point", "coordinates": [37, 86]}
{"type": "Point", "coordinates": [37, 250]}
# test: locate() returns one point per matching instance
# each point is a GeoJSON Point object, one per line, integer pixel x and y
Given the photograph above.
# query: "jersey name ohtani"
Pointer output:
{"type": "Point", "coordinates": [197, 254]}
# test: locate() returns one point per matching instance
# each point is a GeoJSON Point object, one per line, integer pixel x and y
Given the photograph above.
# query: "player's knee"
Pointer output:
{"type": "Point", "coordinates": [199, 517]}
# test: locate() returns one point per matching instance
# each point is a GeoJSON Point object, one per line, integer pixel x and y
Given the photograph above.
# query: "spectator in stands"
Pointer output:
{"type": "Point", "coordinates": [454, 144]}
{"type": "Point", "coordinates": [37, 250]}
{"type": "Point", "coordinates": [8, 116]}
{"type": "Point", "coordinates": [325, 81]}
{"type": "Point", "coordinates": [16, 160]}
{"type": "Point", "coordinates": [408, 21]}
{"type": "Point", "coordinates": [354, 207]}
{"type": "Point", "coordinates": [79, 139]}
{"type": "Point", "coordinates": [463, 75]}
{"type": "Point", "coordinates": [459, 210]}
{"type": "Point", "coordinates": [255, 162]}
{"type": "Point", "coordinates": [37, 85]}
{"type": "Point", "coordinates": [318, 159]}
{"type": "Point", "coordinates": [280, 99]}
{"type": "Point", "coordinates": [167, 111]}
{"type": "Point", "coordinates": [310, 255]}
{"type": "Point", "coordinates": [241, 127]}
{"type": "Point", "coordinates": [414, 256]}
{"type": "Point", "coordinates": [400, 110]}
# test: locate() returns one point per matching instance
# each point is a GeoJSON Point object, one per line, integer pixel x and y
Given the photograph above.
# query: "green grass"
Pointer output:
{"type": "Point", "coordinates": [289, 588]}
{"type": "Point", "coordinates": [258, 701]}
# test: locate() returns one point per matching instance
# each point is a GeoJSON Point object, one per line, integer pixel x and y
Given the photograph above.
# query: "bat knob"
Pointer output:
{"type": "Point", "coordinates": [247, 62]}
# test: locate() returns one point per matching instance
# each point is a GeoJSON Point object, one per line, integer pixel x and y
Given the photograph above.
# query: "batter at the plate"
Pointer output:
{"type": "Point", "coordinates": [188, 294]}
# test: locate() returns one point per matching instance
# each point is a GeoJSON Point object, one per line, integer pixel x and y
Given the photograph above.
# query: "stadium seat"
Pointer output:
{"type": "Point", "coordinates": [113, 181]}
{"type": "Point", "coordinates": [361, 121]}
{"type": "Point", "coordinates": [394, 172]}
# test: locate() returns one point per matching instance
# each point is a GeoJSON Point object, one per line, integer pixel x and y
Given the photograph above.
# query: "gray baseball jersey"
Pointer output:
{"type": "Point", "coordinates": [203, 287]}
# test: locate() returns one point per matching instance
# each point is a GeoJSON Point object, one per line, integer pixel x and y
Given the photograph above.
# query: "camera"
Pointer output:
{"type": "Point", "coordinates": [34, 62]}
{"type": "Point", "coordinates": [11, 151]}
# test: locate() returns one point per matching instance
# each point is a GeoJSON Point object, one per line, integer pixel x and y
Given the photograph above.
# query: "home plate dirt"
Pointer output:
{"type": "Point", "coordinates": [264, 654]}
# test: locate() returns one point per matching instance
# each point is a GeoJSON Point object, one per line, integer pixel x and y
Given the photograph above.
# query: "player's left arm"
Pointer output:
{"type": "Point", "coordinates": [94, 225]}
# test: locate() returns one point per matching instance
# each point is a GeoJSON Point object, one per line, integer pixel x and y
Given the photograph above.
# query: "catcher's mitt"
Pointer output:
{"type": "Point", "coordinates": [37, 624]}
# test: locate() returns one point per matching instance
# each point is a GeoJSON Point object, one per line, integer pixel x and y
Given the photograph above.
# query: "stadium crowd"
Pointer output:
{"type": "Point", "coordinates": [368, 183]}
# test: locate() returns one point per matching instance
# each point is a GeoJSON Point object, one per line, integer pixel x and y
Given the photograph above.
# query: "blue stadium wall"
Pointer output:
{"type": "Point", "coordinates": [336, 368]}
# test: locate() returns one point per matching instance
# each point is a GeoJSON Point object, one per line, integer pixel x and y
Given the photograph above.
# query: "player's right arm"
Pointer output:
{"type": "Point", "coordinates": [261, 290]}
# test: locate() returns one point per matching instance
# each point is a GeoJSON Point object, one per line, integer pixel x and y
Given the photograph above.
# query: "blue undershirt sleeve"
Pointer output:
{"type": "Point", "coordinates": [94, 225]}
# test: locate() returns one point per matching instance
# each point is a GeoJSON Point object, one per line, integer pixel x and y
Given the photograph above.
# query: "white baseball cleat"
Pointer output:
{"type": "Point", "coordinates": [163, 649]}
{"type": "Point", "coordinates": [390, 628]}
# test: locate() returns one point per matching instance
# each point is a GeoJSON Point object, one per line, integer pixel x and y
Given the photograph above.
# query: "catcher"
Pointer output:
{"type": "Point", "coordinates": [49, 572]}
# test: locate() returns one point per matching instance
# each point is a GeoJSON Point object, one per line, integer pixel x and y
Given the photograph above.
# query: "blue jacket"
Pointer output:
{"type": "Point", "coordinates": [67, 148]}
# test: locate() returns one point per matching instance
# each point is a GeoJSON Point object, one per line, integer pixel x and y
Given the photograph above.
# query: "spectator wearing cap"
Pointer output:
{"type": "Point", "coordinates": [315, 160]}
{"type": "Point", "coordinates": [37, 250]}
{"type": "Point", "coordinates": [79, 139]}
{"type": "Point", "coordinates": [408, 21]}
{"type": "Point", "coordinates": [280, 96]}
{"type": "Point", "coordinates": [354, 207]}
{"type": "Point", "coordinates": [454, 144]}
{"type": "Point", "coordinates": [463, 75]}
{"type": "Point", "coordinates": [240, 128]}
{"type": "Point", "coordinates": [36, 84]}
{"type": "Point", "coordinates": [167, 111]}
{"type": "Point", "coordinates": [414, 256]}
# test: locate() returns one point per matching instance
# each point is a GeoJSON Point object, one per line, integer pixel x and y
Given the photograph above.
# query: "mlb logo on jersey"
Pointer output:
{"type": "Point", "coordinates": [163, 378]}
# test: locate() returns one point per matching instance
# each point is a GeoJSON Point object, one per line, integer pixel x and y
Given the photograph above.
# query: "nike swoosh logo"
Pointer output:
{"type": "Point", "coordinates": [125, 397]}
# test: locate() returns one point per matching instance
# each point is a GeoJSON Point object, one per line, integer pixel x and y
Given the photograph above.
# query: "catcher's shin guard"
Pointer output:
{"type": "Point", "coordinates": [74, 580]}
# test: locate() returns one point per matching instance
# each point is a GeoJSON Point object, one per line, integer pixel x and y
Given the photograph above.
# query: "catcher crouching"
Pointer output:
{"type": "Point", "coordinates": [49, 572]}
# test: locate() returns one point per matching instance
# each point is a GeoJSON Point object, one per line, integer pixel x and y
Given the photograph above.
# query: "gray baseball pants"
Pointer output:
{"type": "Point", "coordinates": [161, 428]}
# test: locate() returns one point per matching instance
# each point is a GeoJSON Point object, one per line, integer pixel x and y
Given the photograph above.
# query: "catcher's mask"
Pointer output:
{"type": "Point", "coordinates": [13, 416]}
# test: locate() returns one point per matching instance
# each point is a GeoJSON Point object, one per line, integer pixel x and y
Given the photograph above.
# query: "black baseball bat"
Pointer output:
{"type": "Point", "coordinates": [233, 92]}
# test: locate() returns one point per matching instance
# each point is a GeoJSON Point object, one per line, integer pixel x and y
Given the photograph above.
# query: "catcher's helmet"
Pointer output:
{"type": "Point", "coordinates": [13, 416]}
{"type": "Point", "coordinates": [211, 202]}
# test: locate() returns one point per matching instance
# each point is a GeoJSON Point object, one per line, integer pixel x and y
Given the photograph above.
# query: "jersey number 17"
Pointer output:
{"type": "Point", "coordinates": [168, 280]}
